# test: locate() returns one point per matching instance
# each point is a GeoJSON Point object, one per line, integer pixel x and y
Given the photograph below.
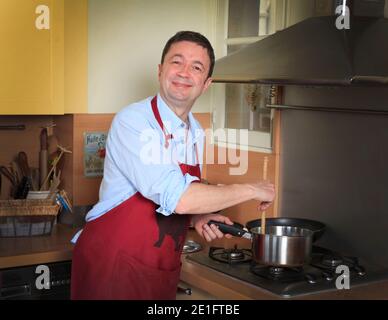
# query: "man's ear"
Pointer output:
{"type": "Point", "coordinates": [159, 70]}
{"type": "Point", "coordinates": [207, 84]}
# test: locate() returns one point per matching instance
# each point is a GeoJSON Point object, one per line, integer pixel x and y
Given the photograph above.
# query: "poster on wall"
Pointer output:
{"type": "Point", "coordinates": [94, 153]}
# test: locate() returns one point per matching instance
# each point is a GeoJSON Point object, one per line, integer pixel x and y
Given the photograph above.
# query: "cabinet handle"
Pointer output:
{"type": "Point", "coordinates": [13, 127]}
{"type": "Point", "coordinates": [16, 291]}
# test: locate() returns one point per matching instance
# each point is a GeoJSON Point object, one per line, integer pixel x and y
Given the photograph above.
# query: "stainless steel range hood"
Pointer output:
{"type": "Point", "coordinates": [314, 52]}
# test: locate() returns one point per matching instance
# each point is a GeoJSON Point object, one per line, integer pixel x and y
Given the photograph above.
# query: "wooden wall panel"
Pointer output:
{"type": "Point", "coordinates": [64, 135]}
{"type": "Point", "coordinates": [220, 174]}
{"type": "Point", "coordinates": [85, 190]}
{"type": "Point", "coordinates": [204, 120]}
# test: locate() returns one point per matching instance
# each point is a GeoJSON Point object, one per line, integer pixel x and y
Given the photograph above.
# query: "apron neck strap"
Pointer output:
{"type": "Point", "coordinates": [155, 110]}
{"type": "Point", "coordinates": [167, 137]}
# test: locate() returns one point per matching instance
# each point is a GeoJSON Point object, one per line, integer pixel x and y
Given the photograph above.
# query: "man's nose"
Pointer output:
{"type": "Point", "coordinates": [184, 70]}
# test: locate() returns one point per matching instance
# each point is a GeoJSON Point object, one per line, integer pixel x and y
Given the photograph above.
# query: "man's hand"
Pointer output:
{"type": "Point", "coordinates": [210, 233]}
{"type": "Point", "coordinates": [265, 194]}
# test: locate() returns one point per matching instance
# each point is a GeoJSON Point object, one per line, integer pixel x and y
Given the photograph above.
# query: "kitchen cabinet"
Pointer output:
{"type": "Point", "coordinates": [32, 58]}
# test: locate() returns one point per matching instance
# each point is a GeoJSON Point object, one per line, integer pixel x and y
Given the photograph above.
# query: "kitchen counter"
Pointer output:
{"type": "Point", "coordinates": [22, 251]}
{"type": "Point", "coordinates": [223, 286]}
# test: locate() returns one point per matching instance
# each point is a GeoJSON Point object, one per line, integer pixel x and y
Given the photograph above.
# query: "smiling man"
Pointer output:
{"type": "Point", "coordinates": [131, 245]}
{"type": "Point", "coordinates": [184, 75]}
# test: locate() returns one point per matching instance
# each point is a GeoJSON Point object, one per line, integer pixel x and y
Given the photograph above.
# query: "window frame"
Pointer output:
{"type": "Point", "coordinates": [257, 141]}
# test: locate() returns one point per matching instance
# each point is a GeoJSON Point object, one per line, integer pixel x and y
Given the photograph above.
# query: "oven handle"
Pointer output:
{"type": "Point", "coordinates": [15, 291]}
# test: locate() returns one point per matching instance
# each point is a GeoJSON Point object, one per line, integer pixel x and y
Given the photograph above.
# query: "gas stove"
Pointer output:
{"type": "Point", "coordinates": [327, 270]}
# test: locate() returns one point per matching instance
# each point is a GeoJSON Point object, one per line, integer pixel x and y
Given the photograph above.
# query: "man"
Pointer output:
{"type": "Point", "coordinates": [131, 245]}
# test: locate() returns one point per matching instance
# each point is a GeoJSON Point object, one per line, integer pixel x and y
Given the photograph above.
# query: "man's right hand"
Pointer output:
{"type": "Point", "coordinates": [265, 194]}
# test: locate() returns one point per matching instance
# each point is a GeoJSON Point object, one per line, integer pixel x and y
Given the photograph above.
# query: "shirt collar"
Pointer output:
{"type": "Point", "coordinates": [172, 122]}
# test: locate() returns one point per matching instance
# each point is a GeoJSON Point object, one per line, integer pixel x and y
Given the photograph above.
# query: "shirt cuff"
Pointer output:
{"type": "Point", "coordinates": [169, 208]}
{"type": "Point", "coordinates": [76, 236]}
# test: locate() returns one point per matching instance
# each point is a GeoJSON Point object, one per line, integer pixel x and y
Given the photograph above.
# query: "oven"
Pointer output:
{"type": "Point", "coordinates": [19, 283]}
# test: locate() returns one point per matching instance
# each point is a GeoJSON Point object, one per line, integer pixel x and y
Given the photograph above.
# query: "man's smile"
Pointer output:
{"type": "Point", "coordinates": [181, 84]}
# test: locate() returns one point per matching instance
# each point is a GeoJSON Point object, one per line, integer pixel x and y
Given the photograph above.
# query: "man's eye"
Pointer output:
{"type": "Point", "coordinates": [197, 68]}
{"type": "Point", "coordinates": [176, 62]}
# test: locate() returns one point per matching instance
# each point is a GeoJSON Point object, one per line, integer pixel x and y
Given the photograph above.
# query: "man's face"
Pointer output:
{"type": "Point", "coordinates": [183, 74]}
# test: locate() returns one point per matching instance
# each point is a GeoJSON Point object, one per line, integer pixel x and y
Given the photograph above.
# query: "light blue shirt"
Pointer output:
{"type": "Point", "coordinates": [137, 160]}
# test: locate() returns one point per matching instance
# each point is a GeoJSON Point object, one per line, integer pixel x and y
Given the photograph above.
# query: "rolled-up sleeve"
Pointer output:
{"type": "Point", "coordinates": [169, 197]}
{"type": "Point", "coordinates": [135, 146]}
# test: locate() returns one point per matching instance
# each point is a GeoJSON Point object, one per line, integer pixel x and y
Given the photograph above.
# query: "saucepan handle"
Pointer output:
{"type": "Point", "coordinates": [236, 229]}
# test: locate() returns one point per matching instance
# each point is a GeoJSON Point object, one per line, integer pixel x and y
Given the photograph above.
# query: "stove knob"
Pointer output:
{"type": "Point", "coordinates": [328, 275]}
{"type": "Point", "coordinates": [311, 278]}
{"type": "Point", "coordinates": [360, 270]}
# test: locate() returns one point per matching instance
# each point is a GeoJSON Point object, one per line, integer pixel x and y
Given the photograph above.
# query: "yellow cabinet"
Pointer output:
{"type": "Point", "coordinates": [31, 57]}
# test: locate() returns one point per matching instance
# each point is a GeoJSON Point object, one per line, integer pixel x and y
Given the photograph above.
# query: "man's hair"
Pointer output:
{"type": "Point", "coordinates": [195, 37]}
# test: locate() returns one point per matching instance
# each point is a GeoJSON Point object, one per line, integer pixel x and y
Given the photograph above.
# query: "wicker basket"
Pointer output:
{"type": "Point", "coordinates": [26, 218]}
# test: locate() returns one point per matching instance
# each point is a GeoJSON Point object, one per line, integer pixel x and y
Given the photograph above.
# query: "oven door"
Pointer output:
{"type": "Point", "coordinates": [22, 283]}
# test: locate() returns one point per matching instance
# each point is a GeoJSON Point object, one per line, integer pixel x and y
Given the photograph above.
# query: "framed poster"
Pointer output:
{"type": "Point", "coordinates": [94, 153]}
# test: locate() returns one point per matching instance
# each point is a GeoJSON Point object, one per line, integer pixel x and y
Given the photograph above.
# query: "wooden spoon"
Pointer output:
{"type": "Point", "coordinates": [63, 150]}
{"type": "Point", "coordinates": [265, 169]}
{"type": "Point", "coordinates": [43, 159]}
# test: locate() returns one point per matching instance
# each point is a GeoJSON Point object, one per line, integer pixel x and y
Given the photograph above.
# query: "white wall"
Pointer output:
{"type": "Point", "coordinates": [126, 39]}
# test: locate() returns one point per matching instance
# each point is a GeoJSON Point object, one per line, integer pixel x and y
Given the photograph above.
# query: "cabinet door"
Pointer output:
{"type": "Point", "coordinates": [31, 59]}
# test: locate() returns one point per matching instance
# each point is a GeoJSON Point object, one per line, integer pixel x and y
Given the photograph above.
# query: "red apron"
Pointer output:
{"type": "Point", "coordinates": [131, 252]}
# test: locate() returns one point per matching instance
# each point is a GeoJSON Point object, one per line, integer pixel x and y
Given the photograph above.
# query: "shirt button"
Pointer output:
{"type": "Point", "coordinates": [182, 125]}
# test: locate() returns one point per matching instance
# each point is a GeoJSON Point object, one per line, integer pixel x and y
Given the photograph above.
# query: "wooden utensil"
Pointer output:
{"type": "Point", "coordinates": [43, 154]}
{"type": "Point", "coordinates": [63, 150]}
{"type": "Point", "coordinates": [265, 169]}
{"type": "Point", "coordinates": [6, 173]}
{"type": "Point", "coordinates": [55, 182]}
{"type": "Point", "coordinates": [10, 176]}
{"type": "Point", "coordinates": [16, 172]}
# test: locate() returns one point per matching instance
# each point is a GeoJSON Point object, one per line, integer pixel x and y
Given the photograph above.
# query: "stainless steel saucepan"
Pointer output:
{"type": "Point", "coordinates": [281, 246]}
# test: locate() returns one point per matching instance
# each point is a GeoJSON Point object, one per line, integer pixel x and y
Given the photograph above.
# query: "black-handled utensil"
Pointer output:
{"type": "Point", "coordinates": [236, 229]}
{"type": "Point", "coordinates": [22, 189]}
{"type": "Point", "coordinates": [23, 164]}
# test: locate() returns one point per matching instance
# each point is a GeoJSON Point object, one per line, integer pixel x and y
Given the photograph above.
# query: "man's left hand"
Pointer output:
{"type": "Point", "coordinates": [211, 232]}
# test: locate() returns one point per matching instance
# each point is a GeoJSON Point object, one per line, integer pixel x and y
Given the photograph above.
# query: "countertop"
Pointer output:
{"type": "Point", "coordinates": [16, 252]}
{"type": "Point", "coordinates": [22, 251]}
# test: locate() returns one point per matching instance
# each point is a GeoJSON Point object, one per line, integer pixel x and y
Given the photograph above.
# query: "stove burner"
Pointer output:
{"type": "Point", "coordinates": [328, 261]}
{"type": "Point", "coordinates": [332, 260]}
{"type": "Point", "coordinates": [282, 274]}
{"type": "Point", "coordinates": [231, 256]}
{"type": "Point", "coordinates": [276, 270]}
